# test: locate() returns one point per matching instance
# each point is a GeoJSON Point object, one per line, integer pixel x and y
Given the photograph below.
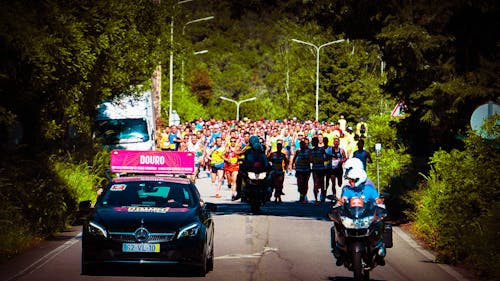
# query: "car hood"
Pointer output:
{"type": "Point", "coordinates": [153, 218]}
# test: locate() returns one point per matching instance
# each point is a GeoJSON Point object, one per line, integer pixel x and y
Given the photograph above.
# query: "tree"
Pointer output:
{"type": "Point", "coordinates": [62, 59]}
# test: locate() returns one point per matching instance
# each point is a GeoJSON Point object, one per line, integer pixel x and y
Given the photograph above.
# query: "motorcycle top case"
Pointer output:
{"type": "Point", "coordinates": [388, 236]}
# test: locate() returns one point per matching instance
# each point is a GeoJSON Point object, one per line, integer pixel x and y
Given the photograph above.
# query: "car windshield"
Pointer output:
{"type": "Point", "coordinates": [113, 131]}
{"type": "Point", "coordinates": [150, 194]}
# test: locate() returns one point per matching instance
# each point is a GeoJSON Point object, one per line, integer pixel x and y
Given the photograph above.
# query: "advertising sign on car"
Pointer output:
{"type": "Point", "coordinates": [151, 162]}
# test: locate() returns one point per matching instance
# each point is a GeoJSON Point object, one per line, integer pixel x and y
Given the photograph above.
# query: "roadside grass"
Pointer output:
{"type": "Point", "coordinates": [456, 208]}
{"type": "Point", "coordinates": [40, 197]}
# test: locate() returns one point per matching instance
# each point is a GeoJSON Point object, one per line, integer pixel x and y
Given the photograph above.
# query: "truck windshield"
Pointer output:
{"type": "Point", "coordinates": [114, 131]}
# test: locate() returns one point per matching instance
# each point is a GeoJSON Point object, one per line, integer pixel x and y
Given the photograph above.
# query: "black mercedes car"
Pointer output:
{"type": "Point", "coordinates": [149, 220]}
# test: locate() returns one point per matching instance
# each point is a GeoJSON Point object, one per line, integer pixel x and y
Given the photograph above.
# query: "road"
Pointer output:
{"type": "Point", "coordinates": [289, 241]}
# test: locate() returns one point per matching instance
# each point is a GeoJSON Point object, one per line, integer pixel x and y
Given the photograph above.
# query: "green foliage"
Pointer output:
{"type": "Point", "coordinates": [40, 198]}
{"type": "Point", "coordinates": [393, 158]}
{"type": "Point", "coordinates": [15, 234]}
{"type": "Point", "coordinates": [189, 109]}
{"type": "Point", "coordinates": [393, 163]}
{"type": "Point", "coordinates": [81, 178]}
{"type": "Point", "coordinates": [35, 204]}
{"type": "Point", "coordinates": [61, 59]}
{"type": "Point", "coordinates": [441, 69]}
{"type": "Point", "coordinates": [457, 207]}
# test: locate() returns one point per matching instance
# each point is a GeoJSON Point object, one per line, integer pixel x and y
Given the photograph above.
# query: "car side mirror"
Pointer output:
{"type": "Point", "coordinates": [85, 205]}
{"type": "Point", "coordinates": [84, 210]}
{"type": "Point", "coordinates": [211, 207]}
{"type": "Point", "coordinates": [385, 195]}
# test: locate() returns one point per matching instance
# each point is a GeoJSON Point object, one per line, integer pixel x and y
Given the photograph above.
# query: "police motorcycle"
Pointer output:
{"type": "Point", "coordinates": [256, 177]}
{"type": "Point", "coordinates": [360, 235]}
{"type": "Point", "coordinates": [257, 189]}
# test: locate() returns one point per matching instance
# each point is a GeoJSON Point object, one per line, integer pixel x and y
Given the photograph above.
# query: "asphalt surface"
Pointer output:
{"type": "Point", "coordinates": [288, 241]}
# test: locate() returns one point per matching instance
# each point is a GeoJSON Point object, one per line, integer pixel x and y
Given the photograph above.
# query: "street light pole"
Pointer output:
{"type": "Point", "coordinates": [237, 104]}
{"type": "Point", "coordinates": [378, 148]}
{"type": "Point", "coordinates": [196, 53]}
{"type": "Point", "coordinates": [171, 63]}
{"type": "Point", "coordinates": [317, 66]}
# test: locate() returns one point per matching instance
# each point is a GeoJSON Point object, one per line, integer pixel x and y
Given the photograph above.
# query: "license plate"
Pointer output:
{"type": "Point", "coordinates": [140, 248]}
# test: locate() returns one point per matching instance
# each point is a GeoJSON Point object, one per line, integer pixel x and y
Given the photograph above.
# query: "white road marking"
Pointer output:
{"type": "Point", "coordinates": [46, 258]}
{"type": "Point", "coordinates": [247, 256]}
{"type": "Point", "coordinates": [428, 254]}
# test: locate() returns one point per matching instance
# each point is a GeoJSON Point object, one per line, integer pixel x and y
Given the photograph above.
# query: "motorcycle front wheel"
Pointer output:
{"type": "Point", "coordinates": [255, 207]}
{"type": "Point", "coordinates": [357, 265]}
{"type": "Point", "coordinates": [254, 202]}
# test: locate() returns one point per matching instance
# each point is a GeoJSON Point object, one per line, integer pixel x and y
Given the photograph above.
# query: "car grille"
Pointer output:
{"type": "Point", "coordinates": [129, 237]}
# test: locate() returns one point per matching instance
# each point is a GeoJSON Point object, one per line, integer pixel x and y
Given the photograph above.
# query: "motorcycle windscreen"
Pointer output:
{"type": "Point", "coordinates": [358, 208]}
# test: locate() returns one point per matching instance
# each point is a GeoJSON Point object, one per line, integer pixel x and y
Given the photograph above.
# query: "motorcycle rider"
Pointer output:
{"type": "Point", "coordinates": [357, 187]}
{"type": "Point", "coordinates": [355, 163]}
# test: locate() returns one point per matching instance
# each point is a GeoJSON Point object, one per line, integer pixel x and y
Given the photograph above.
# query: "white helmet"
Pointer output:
{"type": "Point", "coordinates": [358, 175]}
{"type": "Point", "coordinates": [352, 163]}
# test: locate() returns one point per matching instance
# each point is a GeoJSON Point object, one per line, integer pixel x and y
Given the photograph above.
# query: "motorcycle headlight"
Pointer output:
{"type": "Point", "coordinates": [251, 175]}
{"type": "Point", "coordinates": [357, 223]}
{"type": "Point", "coordinates": [96, 229]}
{"type": "Point", "coordinates": [189, 231]}
{"type": "Point", "coordinates": [256, 176]}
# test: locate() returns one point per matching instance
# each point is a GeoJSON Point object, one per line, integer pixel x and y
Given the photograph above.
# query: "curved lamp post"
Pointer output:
{"type": "Point", "coordinates": [238, 105]}
{"type": "Point", "coordinates": [193, 21]}
{"type": "Point", "coordinates": [317, 66]}
{"type": "Point", "coordinates": [196, 53]}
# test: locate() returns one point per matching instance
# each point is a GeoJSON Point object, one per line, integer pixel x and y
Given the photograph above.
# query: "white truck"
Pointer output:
{"type": "Point", "coordinates": [126, 122]}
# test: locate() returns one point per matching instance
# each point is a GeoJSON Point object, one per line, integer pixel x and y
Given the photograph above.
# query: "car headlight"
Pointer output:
{"type": "Point", "coordinates": [357, 223]}
{"type": "Point", "coordinates": [96, 229]}
{"type": "Point", "coordinates": [256, 176]}
{"type": "Point", "coordinates": [189, 231]}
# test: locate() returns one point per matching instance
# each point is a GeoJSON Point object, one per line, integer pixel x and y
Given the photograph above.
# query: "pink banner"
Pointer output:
{"type": "Point", "coordinates": [152, 162]}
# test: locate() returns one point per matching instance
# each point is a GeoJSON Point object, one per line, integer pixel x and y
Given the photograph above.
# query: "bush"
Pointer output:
{"type": "Point", "coordinates": [40, 196]}
{"type": "Point", "coordinates": [35, 204]}
{"type": "Point", "coordinates": [393, 159]}
{"type": "Point", "coordinates": [81, 178]}
{"type": "Point", "coordinates": [456, 209]}
{"type": "Point", "coordinates": [14, 233]}
{"type": "Point", "coordinates": [393, 162]}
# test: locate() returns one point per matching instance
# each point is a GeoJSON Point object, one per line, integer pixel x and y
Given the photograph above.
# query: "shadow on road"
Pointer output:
{"type": "Point", "coordinates": [343, 278]}
{"type": "Point", "coordinates": [144, 270]}
{"type": "Point", "coordinates": [285, 209]}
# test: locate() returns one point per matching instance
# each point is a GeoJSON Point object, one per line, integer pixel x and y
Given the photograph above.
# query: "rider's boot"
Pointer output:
{"type": "Point", "coordinates": [381, 253]}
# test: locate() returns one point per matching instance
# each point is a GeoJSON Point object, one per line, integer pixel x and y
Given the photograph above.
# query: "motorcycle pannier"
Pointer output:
{"type": "Point", "coordinates": [388, 236]}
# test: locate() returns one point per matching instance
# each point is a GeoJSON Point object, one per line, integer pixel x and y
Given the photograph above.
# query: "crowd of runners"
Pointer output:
{"type": "Point", "coordinates": [299, 148]}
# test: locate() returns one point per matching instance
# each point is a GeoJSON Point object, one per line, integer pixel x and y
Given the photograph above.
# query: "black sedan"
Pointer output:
{"type": "Point", "coordinates": [149, 220]}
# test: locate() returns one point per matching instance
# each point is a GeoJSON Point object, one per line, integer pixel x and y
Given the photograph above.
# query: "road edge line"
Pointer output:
{"type": "Point", "coordinates": [46, 258]}
{"type": "Point", "coordinates": [449, 269]}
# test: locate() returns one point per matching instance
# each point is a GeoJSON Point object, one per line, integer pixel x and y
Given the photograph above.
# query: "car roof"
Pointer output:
{"type": "Point", "coordinates": [152, 178]}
